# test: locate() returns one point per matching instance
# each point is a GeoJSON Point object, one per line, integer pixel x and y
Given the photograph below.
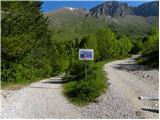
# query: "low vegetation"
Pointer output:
{"type": "Point", "coordinates": [83, 91]}
{"type": "Point", "coordinates": [150, 50]}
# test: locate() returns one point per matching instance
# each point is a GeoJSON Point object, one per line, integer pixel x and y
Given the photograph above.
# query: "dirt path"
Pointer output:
{"type": "Point", "coordinates": [42, 99]}
{"type": "Point", "coordinates": [128, 82]}
{"type": "Point", "coordinates": [134, 82]}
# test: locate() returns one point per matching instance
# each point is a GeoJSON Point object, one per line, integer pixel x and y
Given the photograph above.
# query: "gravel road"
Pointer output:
{"type": "Point", "coordinates": [133, 93]}
{"type": "Point", "coordinates": [42, 99]}
{"type": "Point", "coordinates": [128, 81]}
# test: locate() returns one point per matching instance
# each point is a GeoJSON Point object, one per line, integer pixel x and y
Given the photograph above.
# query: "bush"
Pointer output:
{"type": "Point", "coordinates": [150, 52]}
{"type": "Point", "coordinates": [83, 91]}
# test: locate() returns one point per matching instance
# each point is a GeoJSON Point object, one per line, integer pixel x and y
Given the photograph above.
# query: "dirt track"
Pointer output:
{"type": "Point", "coordinates": [128, 83]}
{"type": "Point", "coordinates": [138, 84]}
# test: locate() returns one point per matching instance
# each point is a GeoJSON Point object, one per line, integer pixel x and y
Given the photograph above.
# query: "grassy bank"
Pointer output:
{"type": "Point", "coordinates": [15, 85]}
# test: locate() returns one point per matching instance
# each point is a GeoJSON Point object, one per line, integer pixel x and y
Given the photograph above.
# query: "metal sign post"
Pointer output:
{"type": "Point", "coordinates": [86, 69]}
{"type": "Point", "coordinates": [86, 54]}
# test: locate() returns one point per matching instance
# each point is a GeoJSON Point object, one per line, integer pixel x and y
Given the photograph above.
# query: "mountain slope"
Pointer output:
{"type": "Point", "coordinates": [147, 9]}
{"type": "Point", "coordinates": [74, 23]}
{"type": "Point", "coordinates": [113, 8]}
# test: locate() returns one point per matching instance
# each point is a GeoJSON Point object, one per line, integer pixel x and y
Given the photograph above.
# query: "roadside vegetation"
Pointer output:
{"type": "Point", "coordinates": [82, 91]}
{"type": "Point", "coordinates": [31, 51]}
{"type": "Point", "coordinates": [150, 50]}
{"type": "Point", "coordinates": [25, 43]}
{"type": "Point", "coordinates": [79, 90]}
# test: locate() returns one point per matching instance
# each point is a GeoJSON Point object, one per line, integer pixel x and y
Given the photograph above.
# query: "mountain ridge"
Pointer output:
{"type": "Point", "coordinates": [78, 22]}
{"type": "Point", "coordinates": [114, 8]}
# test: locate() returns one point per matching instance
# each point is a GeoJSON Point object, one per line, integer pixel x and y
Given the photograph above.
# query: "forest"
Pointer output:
{"type": "Point", "coordinates": [30, 51]}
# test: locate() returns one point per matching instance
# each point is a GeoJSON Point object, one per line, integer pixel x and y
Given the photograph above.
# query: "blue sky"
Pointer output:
{"type": "Point", "coordinates": [54, 5]}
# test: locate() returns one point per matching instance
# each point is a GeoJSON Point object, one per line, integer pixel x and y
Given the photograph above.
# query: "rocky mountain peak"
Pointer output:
{"type": "Point", "coordinates": [114, 8]}
{"type": "Point", "coordinates": [111, 8]}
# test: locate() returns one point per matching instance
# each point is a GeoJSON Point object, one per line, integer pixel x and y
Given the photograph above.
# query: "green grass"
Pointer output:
{"type": "Point", "coordinates": [13, 86]}
{"type": "Point", "coordinates": [76, 24]}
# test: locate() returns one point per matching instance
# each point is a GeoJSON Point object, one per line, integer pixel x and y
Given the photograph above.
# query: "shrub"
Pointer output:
{"type": "Point", "coordinates": [83, 91]}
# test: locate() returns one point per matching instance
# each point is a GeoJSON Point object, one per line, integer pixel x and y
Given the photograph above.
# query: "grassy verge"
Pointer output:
{"type": "Point", "coordinates": [16, 85]}
{"type": "Point", "coordinates": [13, 86]}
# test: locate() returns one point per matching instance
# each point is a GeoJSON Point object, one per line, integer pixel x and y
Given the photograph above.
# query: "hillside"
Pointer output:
{"type": "Point", "coordinates": [111, 8]}
{"type": "Point", "coordinates": [77, 22]}
{"type": "Point", "coordinates": [114, 8]}
{"type": "Point", "coordinates": [147, 9]}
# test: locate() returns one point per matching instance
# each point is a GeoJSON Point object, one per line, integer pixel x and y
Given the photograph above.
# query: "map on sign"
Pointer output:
{"type": "Point", "coordinates": [86, 54]}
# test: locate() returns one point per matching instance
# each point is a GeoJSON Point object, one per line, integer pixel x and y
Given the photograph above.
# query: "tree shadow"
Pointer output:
{"type": "Point", "coordinates": [55, 82]}
{"type": "Point", "coordinates": [132, 67]}
{"type": "Point", "coordinates": [150, 110]}
{"type": "Point", "coordinates": [41, 87]}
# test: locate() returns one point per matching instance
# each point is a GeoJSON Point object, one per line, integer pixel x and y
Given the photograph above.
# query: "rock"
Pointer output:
{"type": "Point", "coordinates": [142, 98]}
{"type": "Point", "coordinates": [138, 113]}
{"type": "Point", "coordinates": [138, 72]}
{"type": "Point", "coordinates": [155, 104]}
{"type": "Point", "coordinates": [145, 75]}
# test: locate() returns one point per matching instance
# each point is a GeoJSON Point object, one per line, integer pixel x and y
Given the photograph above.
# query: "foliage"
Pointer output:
{"type": "Point", "coordinates": [106, 46]}
{"type": "Point", "coordinates": [68, 25]}
{"type": "Point", "coordinates": [25, 42]}
{"type": "Point", "coordinates": [84, 91]}
{"type": "Point", "coordinates": [138, 45]}
{"type": "Point", "coordinates": [150, 52]}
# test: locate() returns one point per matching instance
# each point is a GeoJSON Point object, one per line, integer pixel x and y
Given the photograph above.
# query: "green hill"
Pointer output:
{"type": "Point", "coordinates": [75, 23]}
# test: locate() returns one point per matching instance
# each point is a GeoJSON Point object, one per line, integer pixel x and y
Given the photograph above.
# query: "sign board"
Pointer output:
{"type": "Point", "coordinates": [86, 54]}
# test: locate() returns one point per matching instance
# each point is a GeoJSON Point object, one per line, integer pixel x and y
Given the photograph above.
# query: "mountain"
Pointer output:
{"type": "Point", "coordinates": [147, 9]}
{"type": "Point", "coordinates": [73, 22]}
{"type": "Point", "coordinates": [111, 8]}
{"type": "Point", "coordinates": [69, 10]}
{"type": "Point", "coordinates": [114, 8]}
{"type": "Point", "coordinates": [76, 9]}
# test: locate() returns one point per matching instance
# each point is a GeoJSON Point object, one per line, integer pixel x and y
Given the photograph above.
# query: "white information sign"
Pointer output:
{"type": "Point", "coordinates": [86, 54]}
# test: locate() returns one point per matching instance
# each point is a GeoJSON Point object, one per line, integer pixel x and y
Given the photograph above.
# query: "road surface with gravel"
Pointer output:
{"type": "Point", "coordinates": [132, 93]}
